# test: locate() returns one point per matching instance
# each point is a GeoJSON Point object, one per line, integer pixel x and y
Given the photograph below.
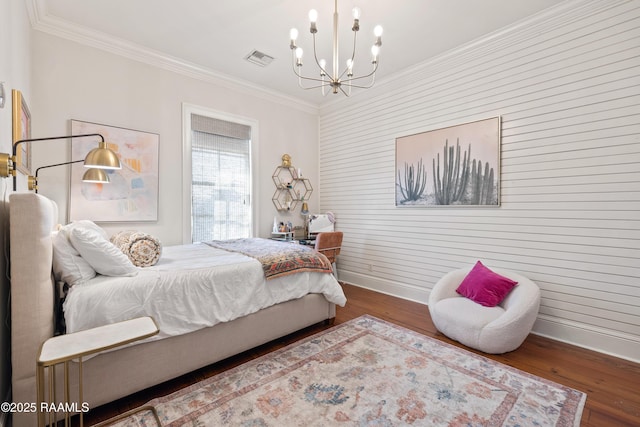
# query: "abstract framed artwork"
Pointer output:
{"type": "Point", "coordinates": [453, 166]}
{"type": "Point", "coordinates": [21, 130]}
{"type": "Point", "coordinates": [132, 192]}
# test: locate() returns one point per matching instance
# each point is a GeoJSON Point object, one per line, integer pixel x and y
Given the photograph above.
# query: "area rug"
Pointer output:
{"type": "Point", "coordinates": [368, 372]}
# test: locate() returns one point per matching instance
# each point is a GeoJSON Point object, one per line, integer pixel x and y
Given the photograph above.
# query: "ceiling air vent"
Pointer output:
{"type": "Point", "coordinates": [259, 58]}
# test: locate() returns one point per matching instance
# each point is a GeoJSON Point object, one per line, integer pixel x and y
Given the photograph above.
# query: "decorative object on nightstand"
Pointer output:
{"type": "Point", "coordinates": [285, 236]}
{"type": "Point", "coordinates": [291, 187]}
{"type": "Point", "coordinates": [63, 349]}
{"type": "Point", "coordinates": [284, 232]}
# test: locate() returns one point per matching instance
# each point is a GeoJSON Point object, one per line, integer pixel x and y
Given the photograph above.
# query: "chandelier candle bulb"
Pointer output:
{"type": "Point", "coordinates": [299, 57]}
{"type": "Point", "coordinates": [313, 17]}
{"type": "Point", "coordinates": [377, 31]}
{"type": "Point", "coordinates": [323, 64]}
{"type": "Point", "coordinates": [356, 19]}
{"type": "Point", "coordinates": [375, 50]}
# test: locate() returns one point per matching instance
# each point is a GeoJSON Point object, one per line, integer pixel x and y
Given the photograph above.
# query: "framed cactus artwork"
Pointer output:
{"type": "Point", "coordinates": [452, 166]}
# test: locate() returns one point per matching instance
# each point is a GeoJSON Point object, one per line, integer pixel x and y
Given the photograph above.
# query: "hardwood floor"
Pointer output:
{"type": "Point", "coordinates": [612, 385]}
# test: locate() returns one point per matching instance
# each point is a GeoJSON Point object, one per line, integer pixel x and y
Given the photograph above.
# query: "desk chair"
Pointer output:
{"type": "Point", "coordinates": [329, 243]}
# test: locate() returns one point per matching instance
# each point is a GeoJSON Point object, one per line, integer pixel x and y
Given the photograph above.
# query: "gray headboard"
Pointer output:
{"type": "Point", "coordinates": [32, 218]}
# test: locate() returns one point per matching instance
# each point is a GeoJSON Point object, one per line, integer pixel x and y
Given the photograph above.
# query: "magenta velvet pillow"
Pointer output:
{"type": "Point", "coordinates": [484, 286]}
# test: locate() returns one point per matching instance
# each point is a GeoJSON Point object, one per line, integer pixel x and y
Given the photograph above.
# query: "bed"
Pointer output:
{"type": "Point", "coordinates": [178, 349]}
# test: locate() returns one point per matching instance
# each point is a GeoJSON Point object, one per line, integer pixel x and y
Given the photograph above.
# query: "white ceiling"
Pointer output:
{"type": "Point", "coordinates": [216, 35]}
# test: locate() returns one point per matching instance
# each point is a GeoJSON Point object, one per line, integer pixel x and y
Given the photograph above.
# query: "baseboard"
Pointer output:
{"type": "Point", "coordinates": [395, 289]}
{"type": "Point", "coordinates": [581, 335]}
{"type": "Point", "coordinates": [624, 347]}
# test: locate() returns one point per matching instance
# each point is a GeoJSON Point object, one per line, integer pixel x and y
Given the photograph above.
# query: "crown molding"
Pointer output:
{"type": "Point", "coordinates": [41, 21]}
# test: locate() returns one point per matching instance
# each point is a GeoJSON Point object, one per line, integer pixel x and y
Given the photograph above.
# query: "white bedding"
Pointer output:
{"type": "Point", "coordinates": [183, 293]}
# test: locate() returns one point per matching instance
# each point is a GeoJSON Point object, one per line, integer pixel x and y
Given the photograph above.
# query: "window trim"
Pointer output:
{"type": "Point", "coordinates": [187, 111]}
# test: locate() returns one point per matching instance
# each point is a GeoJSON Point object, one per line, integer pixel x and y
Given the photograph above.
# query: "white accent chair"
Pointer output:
{"type": "Point", "coordinates": [494, 330]}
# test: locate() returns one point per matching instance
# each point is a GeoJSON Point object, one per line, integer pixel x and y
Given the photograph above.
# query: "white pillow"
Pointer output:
{"type": "Point", "coordinates": [83, 223]}
{"type": "Point", "coordinates": [100, 253]}
{"type": "Point", "coordinates": [68, 265]}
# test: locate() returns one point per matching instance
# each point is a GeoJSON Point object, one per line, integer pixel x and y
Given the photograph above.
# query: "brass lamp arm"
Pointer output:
{"type": "Point", "coordinates": [8, 163]}
{"type": "Point", "coordinates": [15, 144]}
{"type": "Point", "coordinates": [57, 164]}
{"type": "Point", "coordinates": [32, 181]}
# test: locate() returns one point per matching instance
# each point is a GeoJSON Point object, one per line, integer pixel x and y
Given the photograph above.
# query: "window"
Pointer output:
{"type": "Point", "coordinates": [219, 151]}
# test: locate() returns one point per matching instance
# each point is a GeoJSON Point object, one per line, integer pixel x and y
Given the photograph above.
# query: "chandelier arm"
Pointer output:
{"type": "Point", "coordinates": [300, 76]}
{"type": "Point", "coordinates": [315, 56]}
{"type": "Point", "coordinates": [316, 87]}
{"type": "Point", "coordinates": [305, 77]}
{"type": "Point", "coordinates": [371, 83]}
{"type": "Point", "coordinates": [343, 92]}
{"type": "Point", "coordinates": [363, 87]}
{"type": "Point", "coordinates": [353, 54]}
{"type": "Point", "coordinates": [372, 73]}
{"type": "Point", "coordinates": [326, 83]}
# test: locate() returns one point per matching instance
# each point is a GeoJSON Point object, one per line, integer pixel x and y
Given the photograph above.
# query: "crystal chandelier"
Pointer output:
{"type": "Point", "coordinates": [335, 79]}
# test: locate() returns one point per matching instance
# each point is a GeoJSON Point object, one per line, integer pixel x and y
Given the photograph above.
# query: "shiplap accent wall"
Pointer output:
{"type": "Point", "coordinates": [566, 83]}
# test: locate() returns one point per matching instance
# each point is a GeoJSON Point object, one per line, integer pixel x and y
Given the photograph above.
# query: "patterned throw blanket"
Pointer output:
{"type": "Point", "coordinates": [277, 258]}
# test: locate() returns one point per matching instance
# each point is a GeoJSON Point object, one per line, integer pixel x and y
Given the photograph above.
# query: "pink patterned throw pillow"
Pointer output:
{"type": "Point", "coordinates": [485, 286]}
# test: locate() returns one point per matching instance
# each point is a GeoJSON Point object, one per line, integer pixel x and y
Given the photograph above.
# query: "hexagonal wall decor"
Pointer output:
{"type": "Point", "coordinates": [290, 188]}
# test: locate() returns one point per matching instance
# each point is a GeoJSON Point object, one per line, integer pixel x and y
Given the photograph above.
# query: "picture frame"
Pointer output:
{"type": "Point", "coordinates": [21, 125]}
{"type": "Point", "coordinates": [455, 166]}
{"type": "Point", "coordinates": [132, 193]}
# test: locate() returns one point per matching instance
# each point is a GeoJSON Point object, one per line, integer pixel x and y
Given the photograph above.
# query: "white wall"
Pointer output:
{"type": "Point", "coordinates": [567, 86]}
{"type": "Point", "coordinates": [15, 66]}
{"type": "Point", "coordinates": [75, 81]}
{"type": "Point", "coordinates": [63, 80]}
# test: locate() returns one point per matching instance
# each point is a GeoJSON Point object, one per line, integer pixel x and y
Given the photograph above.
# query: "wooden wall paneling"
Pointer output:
{"type": "Point", "coordinates": [567, 86]}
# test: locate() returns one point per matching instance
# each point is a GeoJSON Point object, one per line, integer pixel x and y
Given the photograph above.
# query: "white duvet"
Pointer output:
{"type": "Point", "coordinates": [191, 287]}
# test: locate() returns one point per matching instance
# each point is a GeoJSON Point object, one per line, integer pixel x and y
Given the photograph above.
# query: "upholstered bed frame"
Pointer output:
{"type": "Point", "coordinates": [116, 374]}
